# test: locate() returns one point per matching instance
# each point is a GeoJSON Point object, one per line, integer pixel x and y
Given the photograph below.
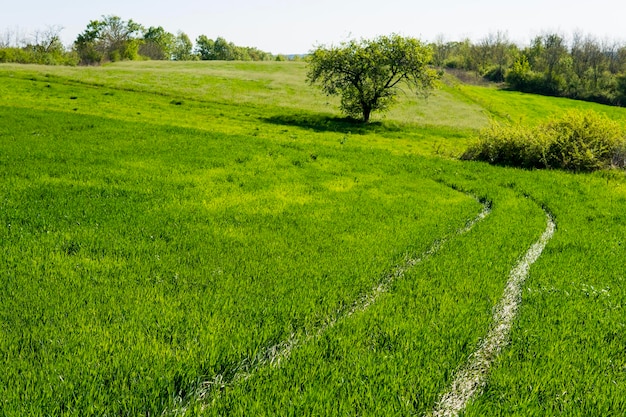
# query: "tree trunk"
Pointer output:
{"type": "Point", "coordinates": [367, 110]}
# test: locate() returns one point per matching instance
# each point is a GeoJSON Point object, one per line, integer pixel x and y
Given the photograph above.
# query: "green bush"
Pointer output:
{"type": "Point", "coordinates": [619, 157]}
{"type": "Point", "coordinates": [495, 73]}
{"type": "Point", "coordinates": [18, 55]}
{"type": "Point", "coordinates": [583, 141]}
{"type": "Point", "coordinates": [505, 145]}
{"type": "Point", "coordinates": [33, 55]}
{"type": "Point", "coordinates": [577, 141]}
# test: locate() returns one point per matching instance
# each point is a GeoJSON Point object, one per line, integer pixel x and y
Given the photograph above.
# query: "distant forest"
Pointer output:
{"type": "Point", "coordinates": [112, 39]}
{"type": "Point", "coordinates": [578, 66]}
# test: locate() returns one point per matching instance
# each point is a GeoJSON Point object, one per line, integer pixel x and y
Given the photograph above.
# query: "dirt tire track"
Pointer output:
{"type": "Point", "coordinates": [472, 377]}
{"type": "Point", "coordinates": [274, 355]}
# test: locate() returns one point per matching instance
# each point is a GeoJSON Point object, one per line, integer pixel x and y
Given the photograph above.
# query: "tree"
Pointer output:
{"type": "Point", "coordinates": [551, 57]}
{"type": "Point", "coordinates": [218, 50]}
{"type": "Point", "coordinates": [49, 40]}
{"type": "Point", "coordinates": [182, 48]}
{"type": "Point", "coordinates": [109, 39]}
{"type": "Point", "coordinates": [157, 43]}
{"type": "Point", "coordinates": [42, 47]}
{"type": "Point", "coordinates": [441, 51]}
{"type": "Point", "coordinates": [224, 50]}
{"type": "Point", "coordinates": [46, 47]}
{"type": "Point", "coordinates": [205, 48]}
{"type": "Point", "coordinates": [493, 55]}
{"type": "Point", "coordinates": [521, 77]}
{"type": "Point", "coordinates": [368, 74]}
{"type": "Point", "coordinates": [621, 90]}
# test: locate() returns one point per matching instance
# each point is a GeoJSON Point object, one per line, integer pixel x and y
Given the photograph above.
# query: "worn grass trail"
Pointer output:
{"type": "Point", "coordinates": [566, 355]}
{"type": "Point", "coordinates": [274, 355]}
{"type": "Point", "coordinates": [472, 377]}
{"type": "Point", "coordinates": [398, 356]}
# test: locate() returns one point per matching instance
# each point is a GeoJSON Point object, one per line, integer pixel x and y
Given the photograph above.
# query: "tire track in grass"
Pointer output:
{"type": "Point", "coordinates": [274, 355]}
{"type": "Point", "coordinates": [472, 377]}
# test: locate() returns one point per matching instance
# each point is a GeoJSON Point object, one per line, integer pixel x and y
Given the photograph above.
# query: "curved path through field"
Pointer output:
{"type": "Point", "coordinates": [273, 355]}
{"type": "Point", "coordinates": [472, 377]}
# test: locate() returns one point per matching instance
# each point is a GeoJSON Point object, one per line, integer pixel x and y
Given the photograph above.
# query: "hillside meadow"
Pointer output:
{"type": "Point", "coordinates": [212, 238]}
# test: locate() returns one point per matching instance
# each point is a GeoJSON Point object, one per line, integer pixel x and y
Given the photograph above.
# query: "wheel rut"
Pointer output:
{"type": "Point", "coordinates": [272, 356]}
{"type": "Point", "coordinates": [469, 380]}
{"type": "Point", "coordinates": [472, 377]}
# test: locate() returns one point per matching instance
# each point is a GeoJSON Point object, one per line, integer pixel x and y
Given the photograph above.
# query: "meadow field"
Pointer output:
{"type": "Point", "coordinates": [213, 239]}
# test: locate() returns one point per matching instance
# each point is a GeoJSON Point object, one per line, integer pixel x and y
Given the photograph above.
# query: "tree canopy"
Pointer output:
{"type": "Point", "coordinates": [182, 48]}
{"type": "Point", "coordinates": [110, 38]}
{"type": "Point", "coordinates": [222, 50]}
{"type": "Point", "coordinates": [157, 43]}
{"type": "Point", "coordinates": [578, 66]}
{"type": "Point", "coordinates": [368, 74]}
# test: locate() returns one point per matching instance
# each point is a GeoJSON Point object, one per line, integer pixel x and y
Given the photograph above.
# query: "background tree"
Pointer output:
{"type": "Point", "coordinates": [109, 39]}
{"type": "Point", "coordinates": [44, 46]}
{"type": "Point", "coordinates": [157, 43]}
{"type": "Point", "coordinates": [620, 90]}
{"type": "Point", "coordinates": [182, 48]}
{"type": "Point", "coordinates": [588, 60]}
{"type": "Point", "coordinates": [9, 38]}
{"type": "Point", "coordinates": [205, 48]}
{"type": "Point", "coordinates": [368, 74]}
{"type": "Point", "coordinates": [494, 54]}
{"type": "Point", "coordinates": [441, 51]}
{"type": "Point", "coordinates": [551, 57]}
{"type": "Point", "coordinates": [618, 62]}
{"type": "Point", "coordinates": [222, 50]}
{"type": "Point", "coordinates": [49, 40]}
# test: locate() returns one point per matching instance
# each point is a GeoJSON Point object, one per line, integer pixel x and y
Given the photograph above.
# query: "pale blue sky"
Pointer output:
{"type": "Point", "coordinates": [281, 26]}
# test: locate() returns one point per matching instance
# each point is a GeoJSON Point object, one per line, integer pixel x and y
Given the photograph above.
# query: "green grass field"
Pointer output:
{"type": "Point", "coordinates": [202, 239]}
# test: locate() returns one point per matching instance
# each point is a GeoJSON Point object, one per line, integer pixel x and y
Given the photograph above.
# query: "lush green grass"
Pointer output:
{"type": "Point", "coordinates": [144, 258]}
{"type": "Point", "coordinates": [162, 224]}
{"type": "Point", "coordinates": [530, 109]}
{"type": "Point", "coordinates": [568, 350]}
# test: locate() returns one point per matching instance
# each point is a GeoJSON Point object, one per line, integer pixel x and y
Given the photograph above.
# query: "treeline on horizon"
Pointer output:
{"type": "Point", "coordinates": [580, 67]}
{"type": "Point", "coordinates": [112, 39]}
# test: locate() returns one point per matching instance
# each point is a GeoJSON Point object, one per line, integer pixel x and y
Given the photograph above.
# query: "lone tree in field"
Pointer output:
{"type": "Point", "coordinates": [368, 74]}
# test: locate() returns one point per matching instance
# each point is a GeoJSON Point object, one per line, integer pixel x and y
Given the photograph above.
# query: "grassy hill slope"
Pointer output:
{"type": "Point", "coordinates": [164, 226]}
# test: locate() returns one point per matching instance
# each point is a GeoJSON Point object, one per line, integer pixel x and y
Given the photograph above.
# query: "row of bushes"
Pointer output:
{"type": "Point", "coordinates": [607, 88]}
{"type": "Point", "coordinates": [576, 141]}
{"type": "Point", "coordinates": [31, 55]}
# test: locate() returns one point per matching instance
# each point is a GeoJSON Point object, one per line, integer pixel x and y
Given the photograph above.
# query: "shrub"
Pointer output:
{"type": "Point", "coordinates": [33, 55]}
{"type": "Point", "coordinates": [577, 141]}
{"type": "Point", "coordinates": [494, 74]}
{"type": "Point", "coordinates": [619, 157]}
{"type": "Point", "coordinates": [583, 141]}
{"type": "Point", "coordinates": [506, 145]}
{"type": "Point", "coordinates": [17, 55]}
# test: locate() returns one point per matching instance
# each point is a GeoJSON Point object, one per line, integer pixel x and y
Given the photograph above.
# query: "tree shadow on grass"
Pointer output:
{"type": "Point", "coordinates": [326, 123]}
